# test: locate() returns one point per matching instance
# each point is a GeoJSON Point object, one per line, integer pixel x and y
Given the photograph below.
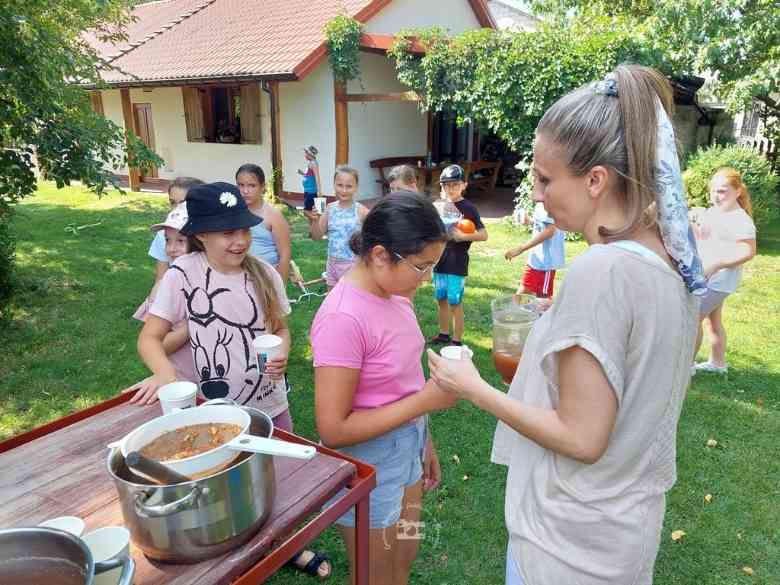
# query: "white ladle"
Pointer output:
{"type": "Point", "coordinates": [255, 444]}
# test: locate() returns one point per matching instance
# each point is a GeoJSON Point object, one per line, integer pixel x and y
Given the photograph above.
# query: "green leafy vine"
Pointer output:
{"type": "Point", "coordinates": [343, 38]}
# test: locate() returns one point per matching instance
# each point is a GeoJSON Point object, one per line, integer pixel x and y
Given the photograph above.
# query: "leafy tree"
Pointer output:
{"type": "Point", "coordinates": [44, 111]}
{"type": "Point", "coordinates": [45, 114]}
{"type": "Point", "coordinates": [505, 81]}
{"type": "Point", "coordinates": [737, 41]}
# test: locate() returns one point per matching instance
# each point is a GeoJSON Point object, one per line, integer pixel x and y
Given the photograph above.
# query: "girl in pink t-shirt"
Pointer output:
{"type": "Point", "coordinates": [371, 397]}
{"type": "Point", "coordinates": [227, 298]}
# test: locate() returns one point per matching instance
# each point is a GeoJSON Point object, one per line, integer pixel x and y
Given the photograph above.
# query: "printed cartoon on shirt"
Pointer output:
{"type": "Point", "coordinates": [218, 335]}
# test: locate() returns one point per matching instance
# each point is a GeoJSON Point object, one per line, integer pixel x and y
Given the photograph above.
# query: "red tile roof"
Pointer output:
{"type": "Point", "coordinates": [188, 40]}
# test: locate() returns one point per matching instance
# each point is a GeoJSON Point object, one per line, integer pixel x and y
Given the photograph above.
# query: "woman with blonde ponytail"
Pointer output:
{"type": "Point", "coordinates": [727, 239]}
{"type": "Point", "coordinates": [588, 428]}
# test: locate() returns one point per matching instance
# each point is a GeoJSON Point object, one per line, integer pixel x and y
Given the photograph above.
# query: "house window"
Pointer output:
{"type": "Point", "coordinates": [228, 114]}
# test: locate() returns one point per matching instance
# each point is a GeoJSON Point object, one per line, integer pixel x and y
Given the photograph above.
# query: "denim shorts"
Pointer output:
{"type": "Point", "coordinates": [449, 287]}
{"type": "Point", "coordinates": [710, 301]}
{"type": "Point", "coordinates": [397, 457]}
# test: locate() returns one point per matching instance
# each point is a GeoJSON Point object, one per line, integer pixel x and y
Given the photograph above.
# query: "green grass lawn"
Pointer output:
{"type": "Point", "coordinates": [71, 343]}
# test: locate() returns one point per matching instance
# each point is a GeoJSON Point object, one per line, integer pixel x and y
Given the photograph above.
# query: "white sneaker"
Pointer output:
{"type": "Point", "coordinates": [710, 367]}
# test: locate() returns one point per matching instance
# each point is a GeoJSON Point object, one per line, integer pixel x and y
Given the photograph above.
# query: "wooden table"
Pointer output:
{"type": "Point", "coordinates": [60, 470]}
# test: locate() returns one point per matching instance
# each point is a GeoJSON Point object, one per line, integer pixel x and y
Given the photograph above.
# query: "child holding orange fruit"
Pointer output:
{"type": "Point", "coordinates": [449, 276]}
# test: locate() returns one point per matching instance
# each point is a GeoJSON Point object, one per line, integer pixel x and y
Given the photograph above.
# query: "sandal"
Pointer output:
{"type": "Point", "coordinates": [315, 565]}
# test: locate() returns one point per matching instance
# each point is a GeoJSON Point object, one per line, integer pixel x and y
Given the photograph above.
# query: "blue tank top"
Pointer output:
{"type": "Point", "coordinates": [309, 181]}
{"type": "Point", "coordinates": [263, 245]}
{"type": "Point", "coordinates": [342, 223]}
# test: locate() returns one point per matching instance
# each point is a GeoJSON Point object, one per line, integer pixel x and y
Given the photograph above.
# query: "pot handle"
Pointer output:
{"type": "Point", "coordinates": [186, 503]}
{"type": "Point", "coordinates": [271, 447]}
{"type": "Point", "coordinates": [128, 568]}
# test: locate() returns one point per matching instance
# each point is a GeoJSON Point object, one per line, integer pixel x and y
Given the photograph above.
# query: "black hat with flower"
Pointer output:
{"type": "Point", "coordinates": [217, 207]}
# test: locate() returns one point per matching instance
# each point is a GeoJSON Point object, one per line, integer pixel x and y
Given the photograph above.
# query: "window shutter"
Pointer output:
{"type": "Point", "coordinates": [193, 114]}
{"type": "Point", "coordinates": [250, 114]}
{"type": "Point", "coordinates": [96, 99]}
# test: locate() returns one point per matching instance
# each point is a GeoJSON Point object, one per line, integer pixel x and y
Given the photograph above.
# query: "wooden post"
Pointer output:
{"type": "Point", "coordinates": [134, 175]}
{"type": "Point", "coordinates": [276, 138]}
{"type": "Point", "coordinates": [342, 123]}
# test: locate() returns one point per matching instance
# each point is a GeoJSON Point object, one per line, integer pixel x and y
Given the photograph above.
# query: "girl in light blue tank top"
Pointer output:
{"type": "Point", "coordinates": [271, 238]}
{"type": "Point", "coordinates": [263, 244]}
{"type": "Point", "coordinates": [340, 220]}
{"type": "Point", "coordinates": [342, 223]}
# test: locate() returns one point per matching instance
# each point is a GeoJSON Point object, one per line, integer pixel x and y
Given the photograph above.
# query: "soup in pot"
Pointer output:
{"type": "Point", "coordinates": [40, 571]}
{"type": "Point", "coordinates": [190, 441]}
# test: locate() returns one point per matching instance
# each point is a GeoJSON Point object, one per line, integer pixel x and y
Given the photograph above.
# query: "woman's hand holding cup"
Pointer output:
{"type": "Point", "coordinates": [455, 376]}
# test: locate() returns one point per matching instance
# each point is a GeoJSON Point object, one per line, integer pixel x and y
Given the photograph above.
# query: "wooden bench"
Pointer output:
{"type": "Point", "coordinates": [487, 180]}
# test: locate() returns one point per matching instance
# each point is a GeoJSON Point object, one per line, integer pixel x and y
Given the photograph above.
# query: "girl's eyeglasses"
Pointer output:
{"type": "Point", "coordinates": [420, 271]}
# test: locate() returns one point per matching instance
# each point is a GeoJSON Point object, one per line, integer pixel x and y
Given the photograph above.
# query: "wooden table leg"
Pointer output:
{"type": "Point", "coordinates": [361, 541]}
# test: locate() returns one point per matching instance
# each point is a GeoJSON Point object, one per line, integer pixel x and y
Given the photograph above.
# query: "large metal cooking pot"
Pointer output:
{"type": "Point", "coordinates": [33, 556]}
{"type": "Point", "coordinates": [206, 463]}
{"type": "Point", "coordinates": [196, 520]}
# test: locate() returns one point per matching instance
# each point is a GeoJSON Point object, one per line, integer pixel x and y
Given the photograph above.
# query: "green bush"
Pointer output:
{"type": "Point", "coordinates": [7, 248]}
{"type": "Point", "coordinates": [756, 173]}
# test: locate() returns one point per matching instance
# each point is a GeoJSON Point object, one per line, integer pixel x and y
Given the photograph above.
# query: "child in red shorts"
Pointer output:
{"type": "Point", "coordinates": [547, 255]}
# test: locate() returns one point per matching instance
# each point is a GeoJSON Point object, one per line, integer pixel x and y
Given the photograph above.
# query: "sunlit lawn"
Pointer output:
{"type": "Point", "coordinates": [72, 343]}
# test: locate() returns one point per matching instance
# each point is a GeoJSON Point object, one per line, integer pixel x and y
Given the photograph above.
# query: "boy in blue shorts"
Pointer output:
{"type": "Point", "coordinates": [449, 276]}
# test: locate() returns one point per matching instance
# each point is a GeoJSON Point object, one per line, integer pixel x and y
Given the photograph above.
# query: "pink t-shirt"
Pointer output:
{"type": "Point", "coordinates": [380, 337]}
{"type": "Point", "coordinates": [182, 357]}
{"type": "Point", "coordinates": [223, 316]}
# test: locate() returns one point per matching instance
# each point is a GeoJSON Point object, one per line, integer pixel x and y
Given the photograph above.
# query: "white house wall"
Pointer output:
{"type": "Point", "coordinates": [112, 109]}
{"type": "Point", "coordinates": [307, 117]}
{"type": "Point", "coordinates": [205, 160]}
{"type": "Point", "coordinates": [453, 15]}
{"type": "Point", "coordinates": [382, 129]}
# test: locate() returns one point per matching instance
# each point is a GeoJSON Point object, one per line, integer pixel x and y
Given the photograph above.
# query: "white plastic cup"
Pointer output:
{"type": "Point", "coordinates": [319, 205]}
{"type": "Point", "coordinates": [105, 544]}
{"type": "Point", "coordinates": [177, 396]}
{"type": "Point", "coordinates": [456, 352]}
{"type": "Point", "coordinates": [72, 524]}
{"type": "Point", "coordinates": [266, 347]}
